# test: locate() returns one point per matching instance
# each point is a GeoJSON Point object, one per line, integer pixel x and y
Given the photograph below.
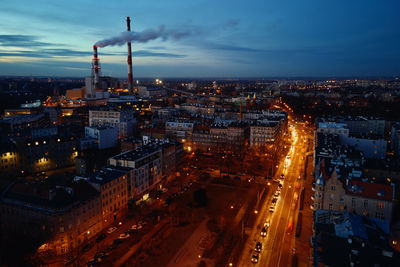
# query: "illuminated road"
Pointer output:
{"type": "Point", "coordinates": [280, 239]}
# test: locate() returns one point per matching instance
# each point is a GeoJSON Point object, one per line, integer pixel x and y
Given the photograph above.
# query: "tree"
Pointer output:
{"type": "Point", "coordinates": [200, 197]}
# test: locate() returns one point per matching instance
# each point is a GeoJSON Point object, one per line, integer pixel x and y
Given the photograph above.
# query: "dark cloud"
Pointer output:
{"type": "Point", "coordinates": [227, 47]}
{"type": "Point", "coordinates": [145, 53]}
{"type": "Point", "coordinates": [157, 47]}
{"type": "Point", "coordinates": [46, 53]}
{"type": "Point", "coordinates": [19, 40]}
{"type": "Point", "coordinates": [232, 23]}
{"type": "Point", "coordinates": [63, 52]}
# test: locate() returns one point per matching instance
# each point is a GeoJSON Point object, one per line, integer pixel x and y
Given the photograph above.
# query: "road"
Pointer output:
{"type": "Point", "coordinates": [280, 240]}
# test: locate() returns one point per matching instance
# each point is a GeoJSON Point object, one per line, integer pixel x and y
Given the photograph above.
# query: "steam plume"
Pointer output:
{"type": "Point", "coordinates": [144, 36]}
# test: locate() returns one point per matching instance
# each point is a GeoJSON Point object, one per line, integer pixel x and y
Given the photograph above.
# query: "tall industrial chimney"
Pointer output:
{"type": "Point", "coordinates": [130, 76]}
{"type": "Point", "coordinates": [95, 68]}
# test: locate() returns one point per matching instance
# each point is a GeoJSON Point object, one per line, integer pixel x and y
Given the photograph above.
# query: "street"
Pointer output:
{"type": "Point", "coordinates": [278, 245]}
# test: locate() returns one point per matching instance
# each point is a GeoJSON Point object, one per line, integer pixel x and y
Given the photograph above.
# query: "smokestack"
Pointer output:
{"type": "Point", "coordinates": [130, 76]}
{"type": "Point", "coordinates": [96, 68]}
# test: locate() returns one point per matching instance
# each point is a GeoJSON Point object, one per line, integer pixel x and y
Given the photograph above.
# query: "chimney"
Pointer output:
{"type": "Point", "coordinates": [130, 77]}
{"type": "Point", "coordinates": [96, 68]}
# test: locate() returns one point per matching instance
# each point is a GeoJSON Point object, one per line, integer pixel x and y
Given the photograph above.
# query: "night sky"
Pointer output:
{"type": "Point", "coordinates": [220, 38]}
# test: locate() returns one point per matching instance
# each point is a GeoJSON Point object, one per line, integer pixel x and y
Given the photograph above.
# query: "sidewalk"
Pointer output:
{"type": "Point", "coordinates": [303, 241]}
{"type": "Point", "coordinates": [144, 239]}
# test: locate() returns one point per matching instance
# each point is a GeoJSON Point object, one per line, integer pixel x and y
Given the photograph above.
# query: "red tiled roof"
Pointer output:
{"type": "Point", "coordinates": [202, 127]}
{"type": "Point", "coordinates": [371, 190]}
{"type": "Point", "coordinates": [154, 130]}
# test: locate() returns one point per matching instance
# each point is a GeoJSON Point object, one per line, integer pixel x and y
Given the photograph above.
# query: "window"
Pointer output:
{"type": "Point", "coordinates": [380, 215]}
{"type": "Point", "coordinates": [380, 205]}
{"type": "Point", "coordinates": [333, 187]}
{"type": "Point", "coordinates": [353, 202]}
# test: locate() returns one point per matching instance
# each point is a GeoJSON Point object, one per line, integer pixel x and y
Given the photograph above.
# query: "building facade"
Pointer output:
{"type": "Point", "coordinates": [124, 120]}
{"type": "Point", "coordinates": [65, 216]}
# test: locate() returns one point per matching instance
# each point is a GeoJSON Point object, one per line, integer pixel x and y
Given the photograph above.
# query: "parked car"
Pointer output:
{"type": "Point", "coordinates": [69, 260]}
{"type": "Point", "coordinates": [123, 236]}
{"type": "Point", "coordinates": [112, 246]}
{"type": "Point", "coordinates": [87, 247]}
{"type": "Point", "coordinates": [94, 262]}
{"type": "Point", "coordinates": [101, 255]}
{"type": "Point", "coordinates": [137, 226]}
{"type": "Point", "coordinates": [111, 229]}
{"type": "Point", "coordinates": [101, 237]}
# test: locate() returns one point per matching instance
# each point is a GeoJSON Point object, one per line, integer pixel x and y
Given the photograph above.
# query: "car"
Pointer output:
{"type": "Point", "coordinates": [274, 200]}
{"type": "Point", "coordinates": [258, 247]}
{"type": "Point", "coordinates": [280, 185]}
{"type": "Point", "coordinates": [142, 222]}
{"type": "Point", "coordinates": [112, 246]}
{"type": "Point", "coordinates": [101, 255]}
{"type": "Point", "coordinates": [264, 232]}
{"type": "Point", "coordinates": [87, 247]}
{"type": "Point", "coordinates": [271, 209]}
{"type": "Point", "coordinates": [254, 258]}
{"type": "Point", "coordinates": [69, 260]}
{"type": "Point", "coordinates": [118, 241]}
{"type": "Point", "coordinates": [276, 193]}
{"type": "Point", "coordinates": [111, 230]}
{"type": "Point", "coordinates": [91, 263]}
{"type": "Point", "coordinates": [137, 226]}
{"type": "Point", "coordinates": [124, 236]}
{"type": "Point", "coordinates": [101, 237]}
{"type": "Point", "coordinates": [266, 224]}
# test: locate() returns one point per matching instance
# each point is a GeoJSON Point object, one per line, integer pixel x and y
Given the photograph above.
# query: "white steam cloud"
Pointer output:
{"type": "Point", "coordinates": [144, 36]}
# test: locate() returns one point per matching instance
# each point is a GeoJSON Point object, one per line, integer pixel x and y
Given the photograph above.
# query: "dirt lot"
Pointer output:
{"type": "Point", "coordinates": [223, 203]}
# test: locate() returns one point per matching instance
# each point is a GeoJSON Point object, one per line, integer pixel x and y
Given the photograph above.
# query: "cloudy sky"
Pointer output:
{"type": "Point", "coordinates": [208, 38]}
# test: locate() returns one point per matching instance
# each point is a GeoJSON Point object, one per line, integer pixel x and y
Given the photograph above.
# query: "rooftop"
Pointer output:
{"type": "Point", "coordinates": [343, 238]}
{"type": "Point", "coordinates": [138, 153]}
{"type": "Point", "coordinates": [108, 174]}
{"type": "Point", "coordinates": [45, 195]}
{"type": "Point", "coordinates": [371, 190]}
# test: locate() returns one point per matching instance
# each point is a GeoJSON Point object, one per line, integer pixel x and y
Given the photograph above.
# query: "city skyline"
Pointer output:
{"type": "Point", "coordinates": [259, 40]}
